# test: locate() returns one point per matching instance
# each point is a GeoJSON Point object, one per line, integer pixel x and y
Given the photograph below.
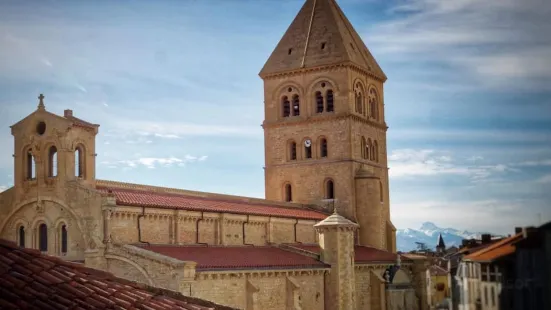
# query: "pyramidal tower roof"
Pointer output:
{"type": "Point", "coordinates": [320, 35]}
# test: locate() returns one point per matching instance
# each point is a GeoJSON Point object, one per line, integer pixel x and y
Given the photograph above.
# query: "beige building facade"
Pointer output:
{"type": "Point", "coordinates": [322, 238]}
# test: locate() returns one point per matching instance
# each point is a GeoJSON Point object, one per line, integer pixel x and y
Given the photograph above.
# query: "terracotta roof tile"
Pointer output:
{"type": "Point", "coordinates": [31, 280]}
{"type": "Point", "coordinates": [128, 197]}
{"type": "Point", "coordinates": [237, 257]}
{"type": "Point", "coordinates": [496, 250]}
{"type": "Point", "coordinates": [362, 254]}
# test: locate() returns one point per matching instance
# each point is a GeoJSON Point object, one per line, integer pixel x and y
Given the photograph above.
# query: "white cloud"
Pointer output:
{"type": "Point", "coordinates": [497, 42]}
{"type": "Point", "coordinates": [535, 163]}
{"type": "Point", "coordinates": [3, 188]}
{"type": "Point", "coordinates": [154, 162]}
{"type": "Point", "coordinates": [470, 135]}
{"type": "Point", "coordinates": [425, 162]}
{"type": "Point", "coordinates": [544, 179]}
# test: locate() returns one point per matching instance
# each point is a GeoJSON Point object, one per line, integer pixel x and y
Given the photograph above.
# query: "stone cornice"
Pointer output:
{"type": "Point", "coordinates": [317, 118]}
{"type": "Point", "coordinates": [326, 160]}
{"type": "Point", "coordinates": [329, 68]}
{"type": "Point", "coordinates": [380, 265]}
{"type": "Point", "coordinates": [257, 273]}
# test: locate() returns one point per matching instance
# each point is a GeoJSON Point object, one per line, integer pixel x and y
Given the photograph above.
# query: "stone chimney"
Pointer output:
{"type": "Point", "coordinates": [68, 113]}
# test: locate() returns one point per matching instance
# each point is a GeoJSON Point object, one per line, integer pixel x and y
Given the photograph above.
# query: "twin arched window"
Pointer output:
{"type": "Point", "coordinates": [323, 97]}
{"type": "Point", "coordinates": [359, 98]}
{"type": "Point", "coordinates": [369, 149]}
{"type": "Point", "coordinates": [308, 151]}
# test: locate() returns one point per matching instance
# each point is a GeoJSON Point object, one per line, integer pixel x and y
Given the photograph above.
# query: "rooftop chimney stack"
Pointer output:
{"type": "Point", "coordinates": [68, 113]}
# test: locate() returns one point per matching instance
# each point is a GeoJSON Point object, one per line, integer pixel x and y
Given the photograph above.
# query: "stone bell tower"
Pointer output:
{"type": "Point", "coordinates": [324, 127]}
{"type": "Point", "coordinates": [50, 150]}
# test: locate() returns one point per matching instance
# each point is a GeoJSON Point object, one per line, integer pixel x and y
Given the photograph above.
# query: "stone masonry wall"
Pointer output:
{"type": "Point", "coordinates": [180, 227]}
{"type": "Point", "coordinates": [231, 288]}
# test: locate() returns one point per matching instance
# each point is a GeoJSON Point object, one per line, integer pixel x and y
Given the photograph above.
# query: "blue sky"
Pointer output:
{"type": "Point", "coordinates": [175, 88]}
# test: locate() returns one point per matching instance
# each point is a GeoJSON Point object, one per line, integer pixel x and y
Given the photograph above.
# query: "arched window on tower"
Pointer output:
{"type": "Point", "coordinates": [329, 99]}
{"type": "Point", "coordinates": [307, 149]}
{"type": "Point", "coordinates": [288, 193]}
{"type": "Point", "coordinates": [369, 150]}
{"type": "Point", "coordinates": [52, 162]}
{"type": "Point", "coordinates": [319, 102]}
{"type": "Point", "coordinates": [292, 150]}
{"type": "Point", "coordinates": [21, 236]}
{"type": "Point", "coordinates": [373, 104]}
{"type": "Point", "coordinates": [359, 93]}
{"type": "Point", "coordinates": [381, 192]}
{"type": "Point", "coordinates": [286, 106]}
{"type": "Point", "coordinates": [43, 237]}
{"type": "Point", "coordinates": [375, 151]}
{"type": "Point", "coordinates": [63, 239]}
{"type": "Point", "coordinates": [363, 147]}
{"type": "Point", "coordinates": [80, 163]}
{"type": "Point", "coordinates": [329, 189]}
{"type": "Point", "coordinates": [323, 147]}
{"type": "Point", "coordinates": [30, 173]}
{"type": "Point", "coordinates": [296, 105]}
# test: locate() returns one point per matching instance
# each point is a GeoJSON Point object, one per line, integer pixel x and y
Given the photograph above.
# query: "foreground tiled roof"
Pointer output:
{"type": "Point", "coordinates": [134, 197]}
{"type": "Point", "coordinates": [237, 257]}
{"type": "Point", "coordinates": [31, 280]}
{"type": "Point", "coordinates": [496, 250]}
{"type": "Point", "coordinates": [362, 254]}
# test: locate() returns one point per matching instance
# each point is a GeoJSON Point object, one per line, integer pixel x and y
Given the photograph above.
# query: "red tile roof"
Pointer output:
{"type": "Point", "coordinates": [131, 197]}
{"type": "Point", "coordinates": [31, 280]}
{"type": "Point", "coordinates": [237, 257]}
{"type": "Point", "coordinates": [496, 250]}
{"type": "Point", "coordinates": [363, 254]}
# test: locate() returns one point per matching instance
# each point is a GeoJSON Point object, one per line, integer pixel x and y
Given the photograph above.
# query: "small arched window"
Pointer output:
{"type": "Point", "coordinates": [369, 150]}
{"type": "Point", "coordinates": [375, 151]}
{"type": "Point", "coordinates": [381, 192]}
{"type": "Point", "coordinates": [329, 189]}
{"type": "Point", "coordinates": [307, 150]}
{"type": "Point", "coordinates": [30, 165]}
{"type": "Point", "coordinates": [63, 239]}
{"type": "Point", "coordinates": [43, 237]}
{"type": "Point", "coordinates": [373, 104]}
{"type": "Point", "coordinates": [288, 193]}
{"type": "Point", "coordinates": [363, 147]}
{"type": "Point", "coordinates": [359, 96]}
{"type": "Point", "coordinates": [323, 147]}
{"type": "Point", "coordinates": [21, 236]}
{"type": "Point", "coordinates": [79, 162]}
{"type": "Point", "coordinates": [296, 105]}
{"type": "Point", "coordinates": [293, 150]}
{"type": "Point", "coordinates": [319, 102]}
{"type": "Point", "coordinates": [286, 106]}
{"type": "Point", "coordinates": [329, 99]}
{"type": "Point", "coordinates": [52, 162]}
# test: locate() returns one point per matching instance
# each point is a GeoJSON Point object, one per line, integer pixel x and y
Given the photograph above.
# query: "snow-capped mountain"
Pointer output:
{"type": "Point", "coordinates": [428, 234]}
